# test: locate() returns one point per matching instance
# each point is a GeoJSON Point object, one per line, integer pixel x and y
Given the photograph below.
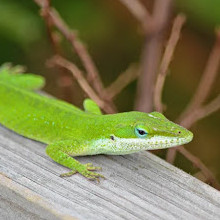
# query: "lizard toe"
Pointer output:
{"type": "Point", "coordinates": [72, 172]}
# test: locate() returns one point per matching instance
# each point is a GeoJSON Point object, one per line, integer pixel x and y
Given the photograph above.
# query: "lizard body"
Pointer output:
{"type": "Point", "coordinates": [69, 131]}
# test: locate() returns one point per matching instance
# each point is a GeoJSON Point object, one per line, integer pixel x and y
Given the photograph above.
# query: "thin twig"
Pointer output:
{"type": "Point", "coordinates": [194, 110]}
{"type": "Point", "coordinates": [92, 72]}
{"type": "Point", "coordinates": [52, 36]}
{"type": "Point", "coordinates": [151, 56]}
{"type": "Point", "coordinates": [207, 80]}
{"type": "Point", "coordinates": [123, 80]}
{"type": "Point", "coordinates": [77, 73]}
{"type": "Point", "coordinates": [153, 26]}
{"type": "Point", "coordinates": [80, 49]}
{"type": "Point", "coordinates": [201, 112]}
{"type": "Point", "coordinates": [166, 60]}
{"type": "Point", "coordinates": [195, 115]}
{"type": "Point", "coordinates": [163, 69]}
{"type": "Point", "coordinates": [138, 10]}
{"type": "Point", "coordinates": [41, 3]}
{"type": "Point", "coordinates": [64, 81]}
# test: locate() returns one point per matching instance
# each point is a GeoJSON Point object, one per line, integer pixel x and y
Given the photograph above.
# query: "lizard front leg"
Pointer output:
{"type": "Point", "coordinates": [62, 152]}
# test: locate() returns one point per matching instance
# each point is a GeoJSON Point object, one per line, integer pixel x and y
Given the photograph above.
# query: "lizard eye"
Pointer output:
{"type": "Point", "coordinates": [140, 132]}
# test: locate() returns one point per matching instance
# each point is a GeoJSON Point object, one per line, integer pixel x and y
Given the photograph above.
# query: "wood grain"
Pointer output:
{"type": "Point", "coordinates": [138, 186]}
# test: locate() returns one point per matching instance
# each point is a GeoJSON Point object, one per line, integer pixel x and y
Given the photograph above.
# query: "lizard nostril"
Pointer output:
{"type": "Point", "coordinates": [179, 132]}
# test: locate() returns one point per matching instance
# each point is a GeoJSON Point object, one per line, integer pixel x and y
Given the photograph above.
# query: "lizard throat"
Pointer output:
{"type": "Point", "coordinates": [132, 145]}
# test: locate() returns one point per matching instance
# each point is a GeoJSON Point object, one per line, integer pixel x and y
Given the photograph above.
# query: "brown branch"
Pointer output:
{"type": "Point", "coordinates": [93, 77]}
{"type": "Point", "coordinates": [194, 111]}
{"type": "Point", "coordinates": [123, 80]}
{"type": "Point", "coordinates": [151, 56]}
{"type": "Point", "coordinates": [80, 49]}
{"type": "Point", "coordinates": [207, 80]}
{"type": "Point", "coordinates": [153, 27]}
{"type": "Point", "coordinates": [166, 60]}
{"type": "Point", "coordinates": [41, 3]}
{"type": "Point", "coordinates": [77, 73]}
{"type": "Point", "coordinates": [64, 81]}
{"type": "Point", "coordinates": [201, 112]}
{"type": "Point", "coordinates": [52, 36]}
{"type": "Point", "coordinates": [138, 10]}
{"type": "Point", "coordinates": [195, 115]}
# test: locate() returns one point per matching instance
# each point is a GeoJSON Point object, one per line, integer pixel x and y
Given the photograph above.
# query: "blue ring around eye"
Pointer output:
{"type": "Point", "coordinates": [140, 132]}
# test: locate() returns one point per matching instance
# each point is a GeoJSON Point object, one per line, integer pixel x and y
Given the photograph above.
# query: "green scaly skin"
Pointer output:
{"type": "Point", "coordinates": [69, 131]}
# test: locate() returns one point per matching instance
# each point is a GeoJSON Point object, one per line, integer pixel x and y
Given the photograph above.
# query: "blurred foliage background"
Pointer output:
{"type": "Point", "coordinates": [115, 40]}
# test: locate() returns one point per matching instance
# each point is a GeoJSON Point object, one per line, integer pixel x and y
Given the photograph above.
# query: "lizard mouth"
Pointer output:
{"type": "Point", "coordinates": [120, 146]}
{"type": "Point", "coordinates": [153, 143]}
{"type": "Point", "coordinates": [160, 142]}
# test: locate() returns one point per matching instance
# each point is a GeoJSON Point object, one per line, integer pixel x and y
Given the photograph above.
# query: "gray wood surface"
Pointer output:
{"type": "Point", "coordinates": [138, 186]}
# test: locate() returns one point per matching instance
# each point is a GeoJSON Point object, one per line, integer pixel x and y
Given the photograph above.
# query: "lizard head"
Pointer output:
{"type": "Point", "coordinates": [135, 131]}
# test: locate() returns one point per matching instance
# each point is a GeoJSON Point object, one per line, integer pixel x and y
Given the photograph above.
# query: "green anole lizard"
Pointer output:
{"type": "Point", "coordinates": [70, 132]}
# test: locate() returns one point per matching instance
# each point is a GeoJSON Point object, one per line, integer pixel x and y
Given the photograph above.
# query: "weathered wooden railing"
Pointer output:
{"type": "Point", "coordinates": [138, 186]}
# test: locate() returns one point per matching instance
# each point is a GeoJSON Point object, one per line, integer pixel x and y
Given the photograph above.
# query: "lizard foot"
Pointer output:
{"type": "Point", "coordinates": [85, 171]}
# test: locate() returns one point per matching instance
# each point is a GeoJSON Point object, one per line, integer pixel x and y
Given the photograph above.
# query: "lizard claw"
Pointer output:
{"type": "Point", "coordinates": [90, 166]}
{"type": "Point", "coordinates": [92, 175]}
